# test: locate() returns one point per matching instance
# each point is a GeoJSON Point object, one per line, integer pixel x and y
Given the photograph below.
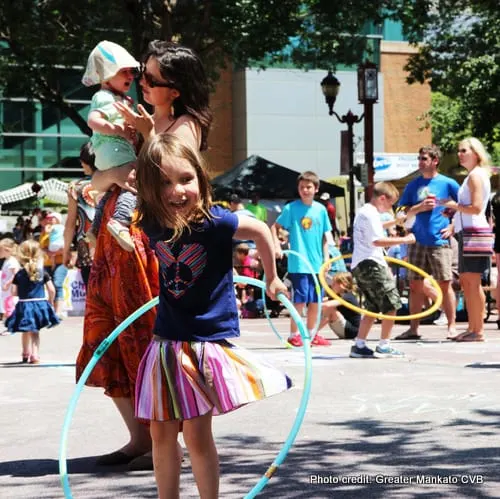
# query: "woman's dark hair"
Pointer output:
{"type": "Point", "coordinates": [181, 66]}
{"type": "Point", "coordinates": [87, 155]}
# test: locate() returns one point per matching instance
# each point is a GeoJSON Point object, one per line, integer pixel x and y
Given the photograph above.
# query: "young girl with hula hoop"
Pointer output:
{"type": "Point", "coordinates": [190, 370]}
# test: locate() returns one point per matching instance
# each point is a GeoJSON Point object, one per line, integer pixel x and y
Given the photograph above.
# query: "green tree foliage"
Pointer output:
{"type": "Point", "coordinates": [461, 58]}
{"type": "Point", "coordinates": [38, 38]}
{"type": "Point", "coordinates": [449, 121]}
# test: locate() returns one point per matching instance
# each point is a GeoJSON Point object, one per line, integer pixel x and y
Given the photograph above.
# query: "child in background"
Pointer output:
{"type": "Point", "coordinates": [307, 224]}
{"type": "Point", "coordinates": [247, 266]}
{"type": "Point", "coordinates": [205, 374]}
{"type": "Point", "coordinates": [9, 269]}
{"type": "Point", "coordinates": [56, 232]}
{"type": "Point", "coordinates": [55, 229]}
{"type": "Point", "coordinates": [114, 69]}
{"type": "Point", "coordinates": [371, 271]}
{"type": "Point", "coordinates": [343, 321]}
{"type": "Point", "coordinates": [33, 312]}
{"type": "Point", "coordinates": [244, 264]}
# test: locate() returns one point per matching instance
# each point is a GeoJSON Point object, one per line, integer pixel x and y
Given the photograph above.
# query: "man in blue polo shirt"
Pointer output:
{"type": "Point", "coordinates": [432, 252]}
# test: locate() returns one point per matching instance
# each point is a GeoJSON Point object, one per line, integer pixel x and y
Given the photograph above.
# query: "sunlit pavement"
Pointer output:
{"type": "Point", "coordinates": [427, 423]}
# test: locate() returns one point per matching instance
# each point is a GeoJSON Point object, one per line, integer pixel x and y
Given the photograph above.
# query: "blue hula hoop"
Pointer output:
{"type": "Point", "coordinates": [317, 287]}
{"type": "Point", "coordinates": [299, 418]}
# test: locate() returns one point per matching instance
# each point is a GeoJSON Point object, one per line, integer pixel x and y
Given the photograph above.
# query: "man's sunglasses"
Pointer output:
{"type": "Point", "coordinates": [151, 82]}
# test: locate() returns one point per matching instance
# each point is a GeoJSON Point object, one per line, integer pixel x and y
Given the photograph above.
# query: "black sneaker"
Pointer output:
{"type": "Point", "coordinates": [361, 353]}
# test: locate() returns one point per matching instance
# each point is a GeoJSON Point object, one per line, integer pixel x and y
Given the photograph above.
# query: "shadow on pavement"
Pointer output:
{"type": "Point", "coordinates": [42, 467]}
{"type": "Point", "coordinates": [375, 453]}
{"type": "Point", "coordinates": [484, 365]}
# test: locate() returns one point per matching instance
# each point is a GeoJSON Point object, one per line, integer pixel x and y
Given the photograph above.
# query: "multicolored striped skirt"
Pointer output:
{"type": "Point", "coordinates": [179, 380]}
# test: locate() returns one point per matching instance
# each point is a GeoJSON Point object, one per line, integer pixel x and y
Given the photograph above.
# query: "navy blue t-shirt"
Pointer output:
{"type": "Point", "coordinates": [197, 299]}
{"type": "Point", "coordinates": [28, 289]}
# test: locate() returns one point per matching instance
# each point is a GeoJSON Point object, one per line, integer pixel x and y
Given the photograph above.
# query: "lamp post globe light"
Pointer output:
{"type": "Point", "coordinates": [330, 87]}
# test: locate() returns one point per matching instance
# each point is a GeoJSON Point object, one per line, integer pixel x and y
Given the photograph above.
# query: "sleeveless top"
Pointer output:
{"type": "Point", "coordinates": [464, 198]}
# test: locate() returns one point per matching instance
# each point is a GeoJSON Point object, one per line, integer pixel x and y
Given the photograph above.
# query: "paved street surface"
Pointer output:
{"type": "Point", "coordinates": [425, 425]}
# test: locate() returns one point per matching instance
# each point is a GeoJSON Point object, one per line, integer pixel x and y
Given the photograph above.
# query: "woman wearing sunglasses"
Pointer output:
{"type": "Point", "coordinates": [173, 81]}
{"type": "Point", "coordinates": [473, 197]}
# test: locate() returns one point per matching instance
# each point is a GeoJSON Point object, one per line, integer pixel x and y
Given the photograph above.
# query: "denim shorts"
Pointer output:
{"type": "Point", "coordinates": [58, 277]}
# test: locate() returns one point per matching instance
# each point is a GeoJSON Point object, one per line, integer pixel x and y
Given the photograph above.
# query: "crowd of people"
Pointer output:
{"type": "Point", "coordinates": [142, 223]}
{"type": "Point", "coordinates": [426, 227]}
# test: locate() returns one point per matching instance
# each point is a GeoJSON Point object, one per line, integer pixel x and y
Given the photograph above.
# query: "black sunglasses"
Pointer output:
{"type": "Point", "coordinates": [151, 82]}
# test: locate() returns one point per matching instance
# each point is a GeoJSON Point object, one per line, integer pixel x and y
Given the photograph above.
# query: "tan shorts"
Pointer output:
{"type": "Point", "coordinates": [435, 260]}
{"type": "Point", "coordinates": [338, 326]}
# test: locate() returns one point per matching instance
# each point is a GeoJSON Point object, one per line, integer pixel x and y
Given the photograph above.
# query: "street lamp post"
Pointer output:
{"type": "Point", "coordinates": [330, 87]}
{"type": "Point", "coordinates": [367, 95]}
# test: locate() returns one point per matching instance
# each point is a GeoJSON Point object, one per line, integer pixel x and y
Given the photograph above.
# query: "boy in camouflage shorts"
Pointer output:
{"type": "Point", "coordinates": [372, 273]}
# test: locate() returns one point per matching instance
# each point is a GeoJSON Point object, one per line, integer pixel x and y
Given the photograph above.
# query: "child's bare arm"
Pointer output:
{"type": "Point", "coordinates": [275, 227]}
{"type": "Point", "coordinates": [326, 253]}
{"type": "Point", "coordinates": [394, 241]}
{"type": "Point", "coordinates": [98, 122]}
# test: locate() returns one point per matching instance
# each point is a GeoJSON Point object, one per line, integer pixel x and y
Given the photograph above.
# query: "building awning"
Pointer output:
{"type": "Point", "coordinates": [51, 189]}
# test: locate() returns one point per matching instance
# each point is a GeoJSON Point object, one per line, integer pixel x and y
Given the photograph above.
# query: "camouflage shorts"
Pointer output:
{"type": "Point", "coordinates": [377, 286]}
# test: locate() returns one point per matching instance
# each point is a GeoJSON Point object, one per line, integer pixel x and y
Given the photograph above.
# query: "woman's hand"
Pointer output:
{"type": "Point", "coordinates": [449, 203]}
{"type": "Point", "coordinates": [142, 121]}
{"type": "Point", "coordinates": [447, 232]}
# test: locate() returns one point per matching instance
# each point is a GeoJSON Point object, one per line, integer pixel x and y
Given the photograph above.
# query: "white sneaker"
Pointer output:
{"type": "Point", "coordinates": [441, 320]}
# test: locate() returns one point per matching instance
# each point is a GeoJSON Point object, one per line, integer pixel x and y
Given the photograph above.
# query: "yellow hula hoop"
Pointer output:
{"type": "Point", "coordinates": [376, 315]}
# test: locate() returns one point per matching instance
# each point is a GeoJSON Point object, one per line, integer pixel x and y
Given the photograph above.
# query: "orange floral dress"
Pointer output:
{"type": "Point", "coordinates": [119, 283]}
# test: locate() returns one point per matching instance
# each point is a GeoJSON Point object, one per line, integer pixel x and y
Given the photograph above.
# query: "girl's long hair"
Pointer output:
{"type": "Point", "coordinates": [181, 66]}
{"type": "Point", "coordinates": [153, 209]}
{"type": "Point", "coordinates": [29, 256]}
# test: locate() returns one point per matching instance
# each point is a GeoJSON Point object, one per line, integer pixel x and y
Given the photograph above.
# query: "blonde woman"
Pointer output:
{"type": "Point", "coordinates": [470, 211]}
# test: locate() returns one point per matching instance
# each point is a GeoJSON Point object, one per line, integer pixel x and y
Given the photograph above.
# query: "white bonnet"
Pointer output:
{"type": "Point", "coordinates": [105, 61]}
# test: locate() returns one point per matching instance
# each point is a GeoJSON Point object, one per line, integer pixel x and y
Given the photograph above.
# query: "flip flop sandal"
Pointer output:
{"type": "Point", "coordinates": [408, 335]}
{"type": "Point", "coordinates": [469, 337]}
{"type": "Point", "coordinates": [458, 336]}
